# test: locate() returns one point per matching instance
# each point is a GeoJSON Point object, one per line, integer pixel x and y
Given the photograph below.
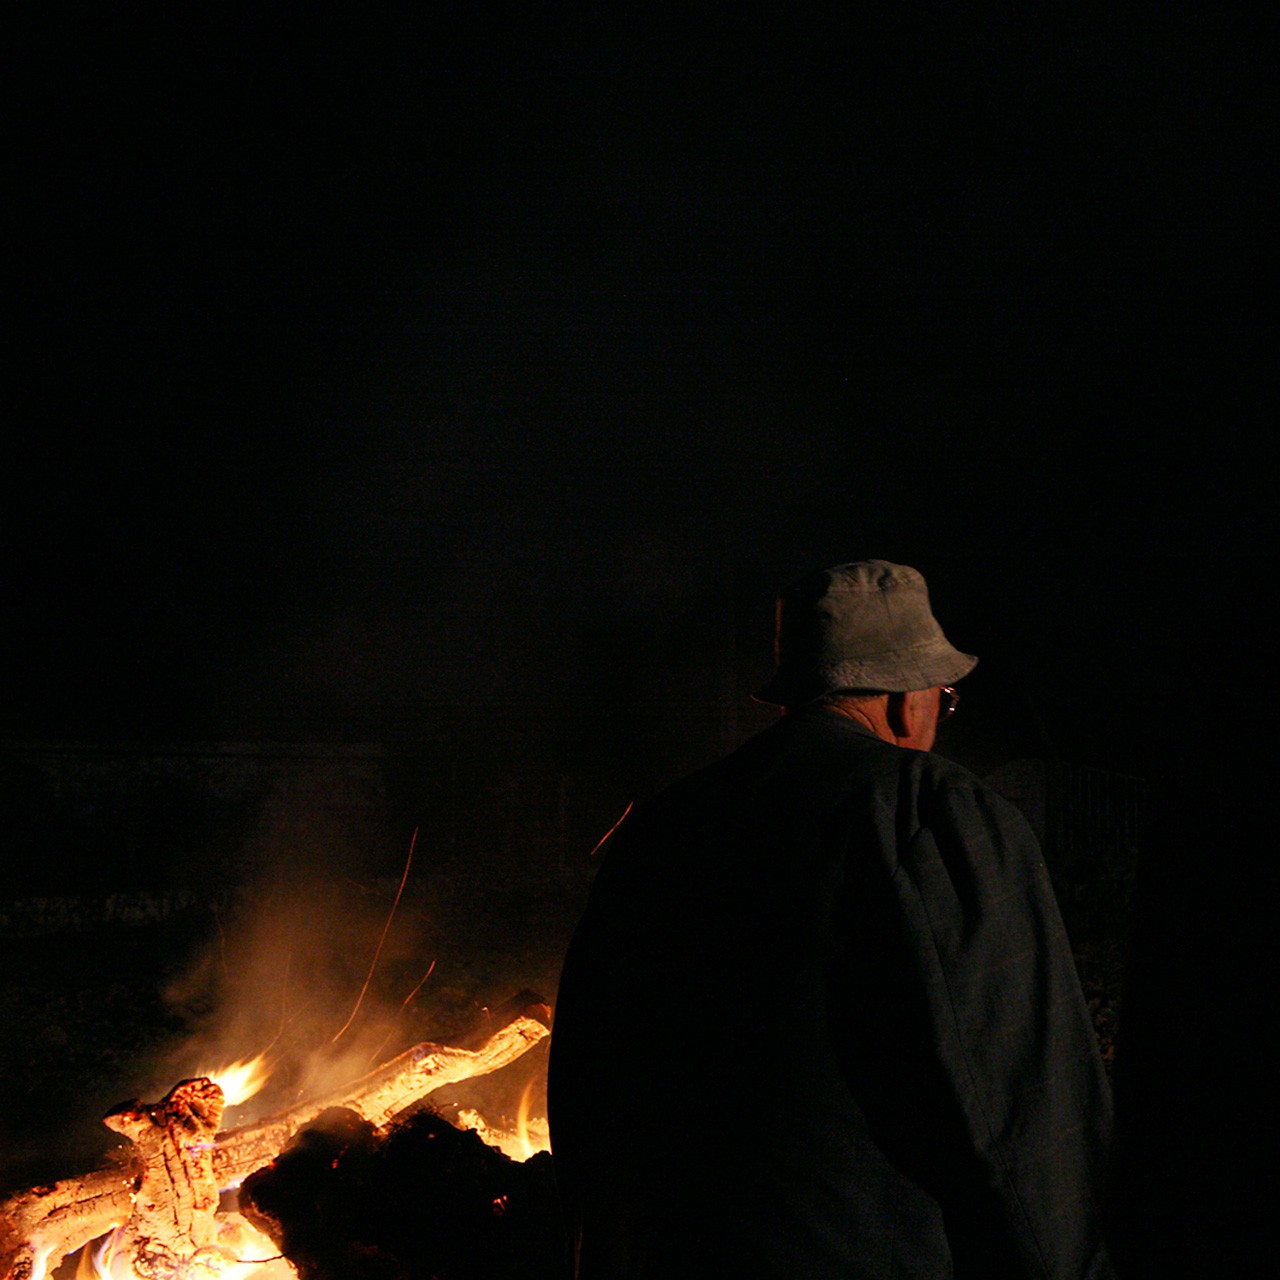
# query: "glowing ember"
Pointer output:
{"type": "Point", "coordinates": [241, 1080]}
{"type": "Point", "coordinates": [241, 1253]}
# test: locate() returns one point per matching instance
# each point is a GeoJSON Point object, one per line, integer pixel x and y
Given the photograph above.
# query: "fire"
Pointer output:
{"type": "Point", "coordinates": [242, 1253]}
{"type": "Point", "coordinates": [240, 1080]}
{"type": "Point", "coordinates": [161, 1209]}
{"type": "Point", "coordinates": [531, 1135]}
{"type": "Point", "coordinates": [532, 1132]}
{"type": "Point", "coordinates": [96, 1259]}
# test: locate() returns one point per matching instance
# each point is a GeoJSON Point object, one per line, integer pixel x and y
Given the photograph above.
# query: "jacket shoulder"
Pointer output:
{"type": "Point", "coordinates": [935, 775]}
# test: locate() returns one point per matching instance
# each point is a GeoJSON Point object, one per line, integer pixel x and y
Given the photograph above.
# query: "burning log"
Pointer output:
{"type": "Point", "coordinates": [40, 1226]}
{"type": "Point", "coordinates": [165, 1192]}
{"type": "Point", "coordinates": [348, 1202]}
{"type": "Point", "coordinates": [383, 1094]}
{"type": "Point", "coordinates": [176, 1200]}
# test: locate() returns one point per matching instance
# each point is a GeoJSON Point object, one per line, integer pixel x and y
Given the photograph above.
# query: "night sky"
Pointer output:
{"type": "Point", "coordinates": [356, 369]}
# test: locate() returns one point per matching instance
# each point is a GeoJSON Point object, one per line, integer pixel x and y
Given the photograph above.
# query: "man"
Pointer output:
{"type": "Point", "coordinates": [820, 1018]}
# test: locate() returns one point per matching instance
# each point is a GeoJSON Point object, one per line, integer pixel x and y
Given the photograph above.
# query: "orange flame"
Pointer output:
{"type": "Point", "coordinates": [523, 1129]}
{"type": "Point", "coordinates": [240, 1080]}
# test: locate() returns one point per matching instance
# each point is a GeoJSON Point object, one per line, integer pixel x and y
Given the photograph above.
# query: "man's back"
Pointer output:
{"type": "Point", "coordinates": [820, 1020]}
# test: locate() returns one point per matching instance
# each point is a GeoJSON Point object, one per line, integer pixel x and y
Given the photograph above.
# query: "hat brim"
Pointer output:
{"type": "Point", "coordinates": [898, 672]}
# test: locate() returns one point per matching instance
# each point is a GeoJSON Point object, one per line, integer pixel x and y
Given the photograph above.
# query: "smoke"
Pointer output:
{"type": "Point", "coordinates": [318, 977]}
{"type": "Point", "coordinates": [327, 977]}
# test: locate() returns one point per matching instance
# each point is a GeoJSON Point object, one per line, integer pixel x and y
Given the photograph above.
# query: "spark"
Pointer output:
{"type": "Point", "coordinates": [601, 843]}
{"type": "Point", "coordinates": [408, 862]}
{"type": "Point", "coordinates": [430, 970]}
{"type": "Point", "coordinates": [403, 1005]}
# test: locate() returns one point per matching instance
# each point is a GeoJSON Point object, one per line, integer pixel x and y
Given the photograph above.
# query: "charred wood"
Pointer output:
{"type": "Point", "coordinates": [422, 1201]}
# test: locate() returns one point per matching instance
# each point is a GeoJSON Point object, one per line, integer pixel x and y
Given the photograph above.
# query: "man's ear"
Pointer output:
{"type": "Point", "coordinates": [900, 715]}
{"type": "Point", "coordinates": [908, 717]}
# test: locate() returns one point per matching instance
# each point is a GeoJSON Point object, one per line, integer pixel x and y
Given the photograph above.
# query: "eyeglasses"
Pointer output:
{"type": "Point", "coordinates": [947, 703]}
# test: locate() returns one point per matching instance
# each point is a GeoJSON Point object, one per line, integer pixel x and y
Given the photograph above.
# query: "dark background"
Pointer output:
{"type": "Point", "coordinates": [364, 377]}
{"type": "Point", "coordinates": [355, 369]}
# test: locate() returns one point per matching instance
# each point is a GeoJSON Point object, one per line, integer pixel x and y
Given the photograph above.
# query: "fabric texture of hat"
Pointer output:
{"type": "Point", "coordinates": [863, 626]}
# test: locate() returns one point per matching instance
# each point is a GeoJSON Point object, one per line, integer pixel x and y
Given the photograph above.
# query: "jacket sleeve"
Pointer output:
{"type": "Point", "coordinates": [1018, 1090]}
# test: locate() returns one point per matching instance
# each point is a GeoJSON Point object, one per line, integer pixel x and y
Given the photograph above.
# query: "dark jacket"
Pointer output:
{"type": "Point", "coordinates": [820, 1019]}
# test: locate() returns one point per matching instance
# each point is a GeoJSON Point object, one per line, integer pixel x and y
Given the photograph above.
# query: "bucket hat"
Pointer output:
{"type": "Point", "coordinates": [863, 626]}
